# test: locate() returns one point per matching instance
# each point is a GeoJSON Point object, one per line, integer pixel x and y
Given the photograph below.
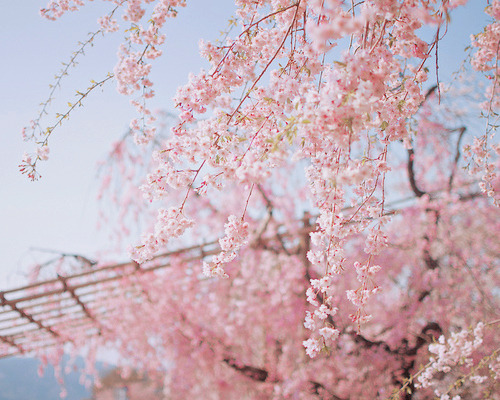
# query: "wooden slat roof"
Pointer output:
{"type": "Point", "coordinates": [46, 313]}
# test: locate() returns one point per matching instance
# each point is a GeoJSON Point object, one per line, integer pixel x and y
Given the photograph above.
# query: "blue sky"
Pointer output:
{"type": "Point", "coordinates": [59, 211]}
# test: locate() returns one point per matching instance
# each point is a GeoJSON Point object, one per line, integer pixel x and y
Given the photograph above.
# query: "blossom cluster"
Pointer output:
{"type": "Point", "coordinates": [448, 353]}
{"type": "Point", "coordinates": [170, 224]}
{"type": "Point", "coordinates": [486, 58]}
{"type": "Point", "coordinates": [236, 230]}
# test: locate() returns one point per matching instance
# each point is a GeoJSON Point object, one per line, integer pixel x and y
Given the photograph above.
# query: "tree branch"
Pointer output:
{"type": "Point", "coordinates": [319, 389]}
{"type": "Point", "coordinates": [256, 374]}
{"type": "Point", "coordinates": [411, 174]}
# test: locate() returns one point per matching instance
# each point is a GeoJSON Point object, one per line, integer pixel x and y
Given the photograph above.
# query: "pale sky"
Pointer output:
{"type": "Point", "coordinates": [59, 211]}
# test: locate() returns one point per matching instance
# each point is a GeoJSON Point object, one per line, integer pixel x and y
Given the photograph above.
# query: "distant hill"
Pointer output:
{"type": "Point", "coordinates": [19, 380]}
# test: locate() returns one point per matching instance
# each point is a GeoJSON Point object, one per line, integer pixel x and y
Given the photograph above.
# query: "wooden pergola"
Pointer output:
{"type": "Point", "coordinates": [46, 313]}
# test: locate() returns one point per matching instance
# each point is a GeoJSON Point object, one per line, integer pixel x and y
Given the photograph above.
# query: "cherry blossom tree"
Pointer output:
{"type": "Point", "coordinates": [350, 196]}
